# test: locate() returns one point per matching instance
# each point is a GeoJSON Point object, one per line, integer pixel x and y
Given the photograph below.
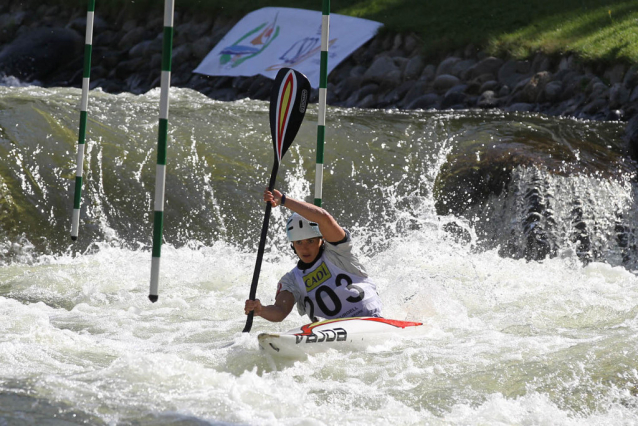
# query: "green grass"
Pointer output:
{"type": "Point", "coordinates": [596, 30]}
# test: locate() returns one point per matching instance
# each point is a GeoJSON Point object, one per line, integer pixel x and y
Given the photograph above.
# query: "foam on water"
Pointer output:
{"type": "Point", "coordinates": [504, 341]}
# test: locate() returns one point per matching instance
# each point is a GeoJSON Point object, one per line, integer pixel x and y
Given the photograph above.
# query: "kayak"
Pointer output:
{"type": "Point", "coordinates": [340, 334]}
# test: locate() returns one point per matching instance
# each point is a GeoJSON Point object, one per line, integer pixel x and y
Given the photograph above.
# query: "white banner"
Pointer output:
{"type": "Point", "coordinates": [278, 37]}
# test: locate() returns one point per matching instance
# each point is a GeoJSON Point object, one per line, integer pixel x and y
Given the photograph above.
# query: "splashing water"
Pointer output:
{"type": "Point", "coordinates": [504, 341]}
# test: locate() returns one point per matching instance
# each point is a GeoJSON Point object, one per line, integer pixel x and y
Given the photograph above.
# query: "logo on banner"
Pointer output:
{"type": "Point", "coordinates": [300, 51]}
{"type": "Point", "coordinates": [242, 50]}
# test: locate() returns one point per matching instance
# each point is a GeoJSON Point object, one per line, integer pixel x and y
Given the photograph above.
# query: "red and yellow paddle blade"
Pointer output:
{"type": "Point", "coordinates": [288, 102]}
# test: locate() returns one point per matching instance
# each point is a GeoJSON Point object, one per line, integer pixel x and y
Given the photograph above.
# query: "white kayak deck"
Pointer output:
{"type": "Point", "coordinates": [340, 334]}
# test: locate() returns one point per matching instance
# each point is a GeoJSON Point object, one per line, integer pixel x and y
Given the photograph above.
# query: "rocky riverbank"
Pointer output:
{"type": "Point", "coordinates": [46, 45]}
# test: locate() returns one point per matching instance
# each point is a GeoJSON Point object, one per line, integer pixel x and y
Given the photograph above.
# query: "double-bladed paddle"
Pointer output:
{"type": "Point", "coordinates": [288, 101]}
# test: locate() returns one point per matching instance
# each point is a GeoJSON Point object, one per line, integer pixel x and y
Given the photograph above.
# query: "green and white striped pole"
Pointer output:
{"type": "Point", "coordinates": [160, 171]}
{"type": "Point", "coordinates": [84, 104]}
{"type": "Point", "coordinates": [323, 89]}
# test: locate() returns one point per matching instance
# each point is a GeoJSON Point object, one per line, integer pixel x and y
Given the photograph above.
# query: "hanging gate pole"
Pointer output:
{"type": "Point", "coordinates": [323, 90]}
{"type": "Point", "coordinates": [160, 171]}
{"type": "Point", "coordinates": [84, 104]}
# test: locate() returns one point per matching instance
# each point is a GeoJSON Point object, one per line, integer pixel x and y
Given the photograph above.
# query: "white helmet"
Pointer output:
{"type": "Point", "coordinates": [299, 228]}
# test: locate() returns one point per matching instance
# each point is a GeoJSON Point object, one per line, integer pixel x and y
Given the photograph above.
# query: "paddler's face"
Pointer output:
{"type": "Point", "coordinates": [308, 249]}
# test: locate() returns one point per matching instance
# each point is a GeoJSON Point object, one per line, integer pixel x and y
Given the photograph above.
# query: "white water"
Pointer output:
{"type": "Point", "coordinates": [504, 341]}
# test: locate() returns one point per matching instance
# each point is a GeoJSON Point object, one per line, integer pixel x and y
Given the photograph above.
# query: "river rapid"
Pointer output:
{"type": "Point", "coordinates": [505, 340]}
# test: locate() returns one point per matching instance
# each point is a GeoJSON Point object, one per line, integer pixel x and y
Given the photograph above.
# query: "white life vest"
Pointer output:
{"type": "Point", "coordinates": [332, 292]}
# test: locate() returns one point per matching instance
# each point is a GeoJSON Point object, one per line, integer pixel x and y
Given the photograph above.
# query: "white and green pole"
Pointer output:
{"type": "Point", "coordinates": [160, 171]}
{"type": "Point", "coordinates": [84, 104]}
{"type": "Point", "coordinates": [323, 90]}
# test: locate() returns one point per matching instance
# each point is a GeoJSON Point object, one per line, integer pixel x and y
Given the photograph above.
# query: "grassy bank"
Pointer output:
{"type": "Point", "coordinates": [596, 30]}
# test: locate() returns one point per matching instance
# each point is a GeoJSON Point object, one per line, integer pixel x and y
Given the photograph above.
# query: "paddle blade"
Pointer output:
{"type": "Point", "coordinates": [288, 101]}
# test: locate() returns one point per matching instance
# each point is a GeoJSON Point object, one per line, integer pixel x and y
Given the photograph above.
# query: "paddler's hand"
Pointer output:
{"type": "Point", "coordinates": [253, 305]}
{"type": "Point", "coordinates": [274, 197]}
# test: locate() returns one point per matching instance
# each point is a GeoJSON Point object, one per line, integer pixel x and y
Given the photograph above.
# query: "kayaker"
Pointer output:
{"type": "Point", "coordinates": [328, 281]}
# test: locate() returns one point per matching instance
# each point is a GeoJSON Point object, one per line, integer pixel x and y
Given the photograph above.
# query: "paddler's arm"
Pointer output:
{"type": "Point", "coordinates": [330, 229]}
{"type": "Point", "coordinates": [284, 303]}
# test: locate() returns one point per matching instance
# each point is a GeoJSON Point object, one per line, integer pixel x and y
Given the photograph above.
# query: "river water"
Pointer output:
{"type": "Point", "coordinates": [504, 341]}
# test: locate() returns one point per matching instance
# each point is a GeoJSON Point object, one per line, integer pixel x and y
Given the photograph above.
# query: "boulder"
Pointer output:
{"type": "Point", "coordinates": [618, 95]}
{"type": "Point", "coordinates": [453, 99]}
{"type": "Point", "coordinates": [445, 82]}
{"type": "Point", "coordinates": [489, 85]}
{"type": "Point", "coordinates": [39, 53]}
{"type": "Point", "coordinates": [487, 100]}
{"type": "Point", "coordinates": [552, 91]}
{"type": "Point", "coordinates": [446, 66]}
{"type": "Point", "coordinates": [512, 72]}
{"type": "Point", "coordinates": [460, 68]}
{"type": "Point", "coordinates": [429, 72]}
{"type": "Point", "coordinates": [489, 65]}
{"type": "Point", "coordinates": [429, 100]}
{"type": "Point", "coordinates": [414, 68]}
{"type": "Point", "coordinates": [379, 70]}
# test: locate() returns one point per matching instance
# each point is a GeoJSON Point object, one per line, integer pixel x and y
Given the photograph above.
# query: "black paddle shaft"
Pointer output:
{"type": "Point", "coordinates": [260, 251]}
{"type": "Point", "coordinates": [288, 101]}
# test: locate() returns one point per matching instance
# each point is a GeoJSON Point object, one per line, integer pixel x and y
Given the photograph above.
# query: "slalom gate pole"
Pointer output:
{"type": "Point", "coordinates": [162, 139]}
{"type": "Point", "coordinates": [323, 89]}
{"type": "Point", "coordinates": [84, 104]}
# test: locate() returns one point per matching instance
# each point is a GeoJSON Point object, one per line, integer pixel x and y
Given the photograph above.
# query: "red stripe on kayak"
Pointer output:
{"type": "Point", "coordinates": [307, 329]}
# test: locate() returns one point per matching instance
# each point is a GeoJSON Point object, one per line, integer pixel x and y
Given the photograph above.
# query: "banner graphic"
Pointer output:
{"type": "Point", "coordinates": [272, 38]}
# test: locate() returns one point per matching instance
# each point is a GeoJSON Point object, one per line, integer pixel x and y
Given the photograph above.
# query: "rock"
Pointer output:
{"type": "Point", "coordinates": [446, 66]}
{"type": "Point", "coordinates": [512, 72]}
{"type": "Point", "coordinates": [140, 50]}
{"type": "Point", "coordinates": [368, 102]}
{"type": "Point", "coordinates": [414, 68]}
{"type": "Point", "coordinates": [368, 89]}
{"type": "Point", "coordinates": [487, 100]}
{"type": "Point", "coordinates": [358, 71]}
{"type": "Point", "coordinates": [520, 107]}
{"type": "Point", "coordinates": [615, 74]}
{"type": "Point", "coordinates": [453, 99]}
{"type": "Point", "coordinates": [631, 137]}
{"type": "Point", "coordinates": [552, 91]}
{"type": "Point", "coordinates": [618, 95]}
{"type": "Point", "coordinates": [631, 77]}
{"type": "Point", "coordinates": [504, 91]}
{"type": "Point", "coordinates": [40, 52]}
{"type": "Point", "coordinates": [202, 47]}
{"type": "Point", "coordinates": [379, 70]}
{"type": "Point", "coordinates": [460, 68]}
{"type": "Point", "coordinates": [346, 87]}
{"type": "Point", "coordinates": [489, 65]}
{"type": "Point", "coordinates": [534, 87]}
{"type": "Point", "coordinates": [429, 72]}
{"type": "Point", "coordinates": [594, 106]}
{"type": "Point", "coordinates": [182, 54]}
{"type": "Point", "coordinates": [491, 85]}
{"type": "Point", "coordinates": [131, 38]}
{"type": "Point", "coordinates": [410, 43]}
{"type": "Point", "coordinates": [541, 63]}
{"type": "Point", "coordinates": [394, 96]}
{"type": "Point", "coordinates": [459, 88]}
{"type": "Point", "coordinates": [418, 89]}
{"type": "Point", "coordinates": [599, 90]}
{"type": "Point", "coordinates": [9, 25]}
{"type": "Point", "coordinates": [445, 82]}
{"type": "Point", "coordinates": [260, 88]}
{"type": "Point", "coordinates": [426, 101]}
